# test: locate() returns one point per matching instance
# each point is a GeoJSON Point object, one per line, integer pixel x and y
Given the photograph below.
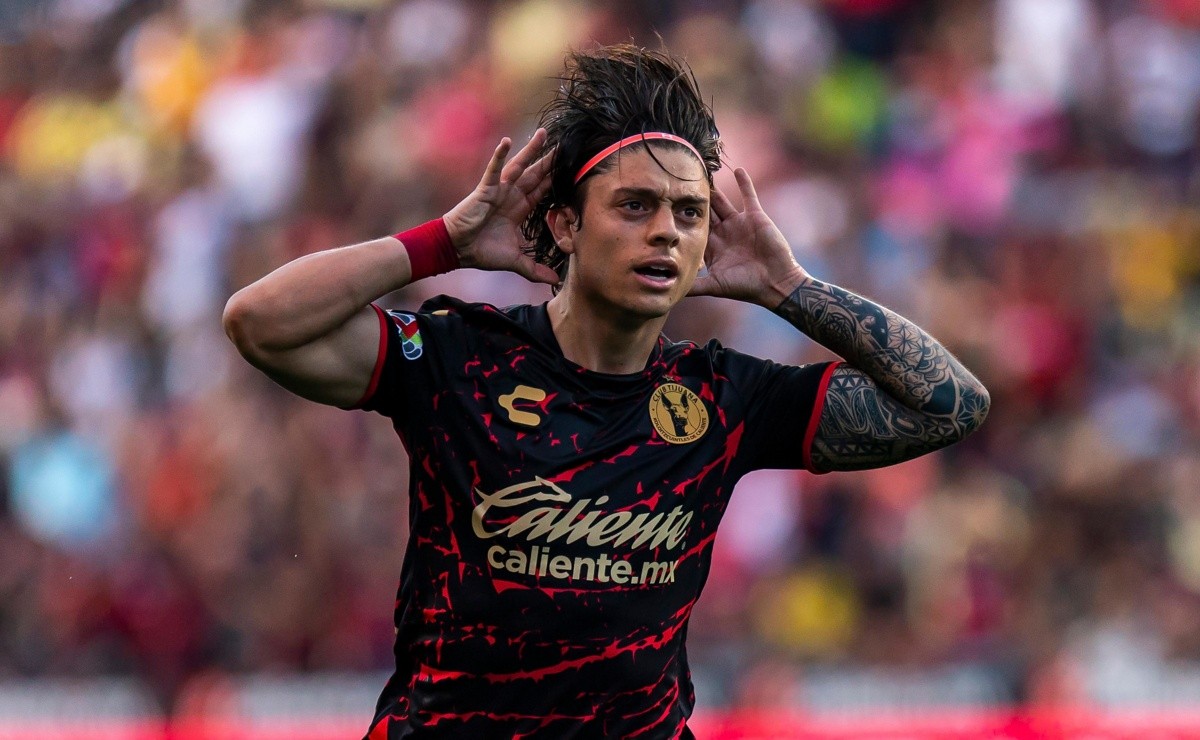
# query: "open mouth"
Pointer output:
{"type": "Point", "coordinates": [657, 272]}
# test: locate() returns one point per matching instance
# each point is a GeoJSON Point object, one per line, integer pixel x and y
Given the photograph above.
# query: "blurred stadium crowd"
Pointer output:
{"type": "Point", "coordinates": [1018, 176]}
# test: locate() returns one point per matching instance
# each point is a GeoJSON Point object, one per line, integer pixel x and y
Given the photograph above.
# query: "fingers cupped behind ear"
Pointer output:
{"type": "Point", "coordinates": [539, 191]}
{"type": "Point", "coordinates": [491, 175]}
{"type": "Point", "coordinates": [703, 285]}
{"type": "Point", "coordinates": [722, 206]}
{"type": "Point", "coordinates": [746, 187]}
{"type": "Point", "coordinates": [542, 167]}
{"type": "Point", "coordinates": [522, 159]}
{"type": "Point", "coordinates": [535, 271]}
{"type": "Point", "coordinates": [536, 175]}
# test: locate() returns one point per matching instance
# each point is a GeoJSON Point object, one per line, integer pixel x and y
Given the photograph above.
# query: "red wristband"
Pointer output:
{"type": "Point", "coordinates": [430, 251]}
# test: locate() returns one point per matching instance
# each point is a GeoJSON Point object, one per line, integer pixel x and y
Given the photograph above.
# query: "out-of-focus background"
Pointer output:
{"type": "Point", "coordinates": [179, 537]}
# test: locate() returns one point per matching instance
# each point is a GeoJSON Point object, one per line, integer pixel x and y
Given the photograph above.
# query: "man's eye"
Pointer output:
{"type": "Point", "coordinates": [633, 205]}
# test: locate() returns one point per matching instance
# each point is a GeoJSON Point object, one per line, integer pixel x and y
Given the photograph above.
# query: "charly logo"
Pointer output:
{"type": "Point", "coordinates": [410, 336]}
{"type": "Point", "coordinates": [678, 414]}
{"type": "Point", "coordinates": [522, 393]}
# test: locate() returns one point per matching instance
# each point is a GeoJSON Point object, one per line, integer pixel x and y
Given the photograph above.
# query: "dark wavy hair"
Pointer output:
{"type": "Point", "coordinates": [605, 96]}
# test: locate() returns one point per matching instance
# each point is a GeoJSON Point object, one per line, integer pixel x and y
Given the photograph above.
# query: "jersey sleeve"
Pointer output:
{"type": "Point", "coordinates": [783, 405]}
{"type": "Point", "coordinates": [405, 374]}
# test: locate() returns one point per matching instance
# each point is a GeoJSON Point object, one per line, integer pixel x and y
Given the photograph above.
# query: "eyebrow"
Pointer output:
{"type": "Point", "coordinates": [652, 194]}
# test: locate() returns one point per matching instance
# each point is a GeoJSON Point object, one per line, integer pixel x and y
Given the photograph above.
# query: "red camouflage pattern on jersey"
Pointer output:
{"type": "Point", "coordinates": [492, 639]}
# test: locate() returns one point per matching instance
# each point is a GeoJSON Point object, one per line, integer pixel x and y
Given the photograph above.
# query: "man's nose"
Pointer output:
{"type": "Point", "coordinates": [663, 229]}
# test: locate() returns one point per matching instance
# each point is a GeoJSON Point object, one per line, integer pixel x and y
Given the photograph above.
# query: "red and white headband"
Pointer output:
{"type": "Point", "coordinates": [635, 139]}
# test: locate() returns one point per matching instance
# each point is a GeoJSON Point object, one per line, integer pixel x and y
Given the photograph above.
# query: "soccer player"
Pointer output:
{"type": "Point", "coordinates": [569, 463]}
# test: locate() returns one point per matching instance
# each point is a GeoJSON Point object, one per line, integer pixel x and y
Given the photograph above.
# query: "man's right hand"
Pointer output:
{"type": "Point", "coordinates": [308, 325]}
{"type": "Point", "coordinates": [485, 227]}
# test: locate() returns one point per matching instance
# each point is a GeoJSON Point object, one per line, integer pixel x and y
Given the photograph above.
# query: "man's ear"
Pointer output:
{"type": "Point", "coordinates": [561, 222]}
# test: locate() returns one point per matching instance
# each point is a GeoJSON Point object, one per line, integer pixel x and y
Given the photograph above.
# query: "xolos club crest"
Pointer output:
{"type": "Point", "coordinates": [678, 414]}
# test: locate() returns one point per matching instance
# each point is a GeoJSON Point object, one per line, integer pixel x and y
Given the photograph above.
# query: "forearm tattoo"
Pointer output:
{"type": "Point", "coordinates": [901, 393]}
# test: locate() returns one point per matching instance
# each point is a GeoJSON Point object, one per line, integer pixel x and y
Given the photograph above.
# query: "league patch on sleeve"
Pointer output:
{"type": "Point", "coordinates": [410, 335]}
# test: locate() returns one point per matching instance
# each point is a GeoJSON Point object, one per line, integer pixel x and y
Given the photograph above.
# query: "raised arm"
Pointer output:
{"type": "Point", "coordinates": [309, 324]}
{"type": "Point", "coordinates": [899, 394]}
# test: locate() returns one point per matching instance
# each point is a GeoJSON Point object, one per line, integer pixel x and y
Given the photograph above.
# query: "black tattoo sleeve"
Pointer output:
{"type": "Point", "coordinates": [901, 393]}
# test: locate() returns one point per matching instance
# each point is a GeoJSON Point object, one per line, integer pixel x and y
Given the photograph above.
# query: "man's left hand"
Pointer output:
{"type": "Point", "coordinates": [747, 257]}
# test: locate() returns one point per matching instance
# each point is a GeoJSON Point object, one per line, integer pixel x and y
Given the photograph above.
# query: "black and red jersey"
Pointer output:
{"type": "Point", "coordinates": [562, 520]}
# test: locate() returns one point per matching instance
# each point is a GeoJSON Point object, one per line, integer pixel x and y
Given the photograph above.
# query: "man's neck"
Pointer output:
{"type": "Point", "coordinates": [598, 341]}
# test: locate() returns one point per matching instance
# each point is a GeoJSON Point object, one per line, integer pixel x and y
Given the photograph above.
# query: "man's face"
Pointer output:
{"type": "Point", "coordinates": [643, 236]}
